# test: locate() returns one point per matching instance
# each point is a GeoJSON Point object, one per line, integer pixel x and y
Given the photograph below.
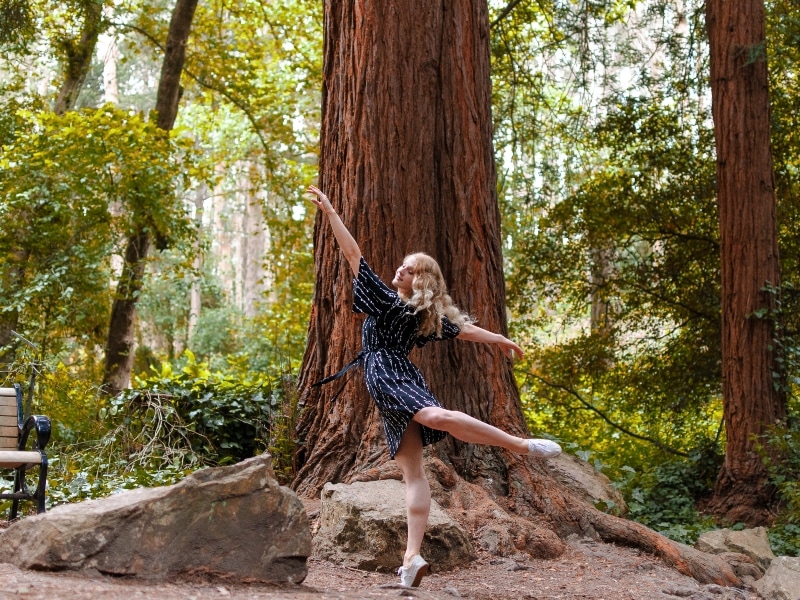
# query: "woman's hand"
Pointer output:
{"type": "Point", "coordinates": [510, 348]}
{"type": "Point", "coordinates": [346, 242]}
{"type": "Point", "coordinates": [473, 333]}
{"type": "Point", "coordinates": [320, 200]}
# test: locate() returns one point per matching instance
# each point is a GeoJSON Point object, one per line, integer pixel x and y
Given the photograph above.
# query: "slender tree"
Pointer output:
{"type": "Point", "coordinates": [121, 333]}
{"type": "Point", "coordinates": [406, 158]}
{"type": "Point", "coordinates": [753, 395]}
{"type": "Point", "coordinates": [78, 53]}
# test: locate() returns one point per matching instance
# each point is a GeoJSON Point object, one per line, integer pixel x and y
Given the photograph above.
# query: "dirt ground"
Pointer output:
{"type": "Point", "coordinates": [587, 570]}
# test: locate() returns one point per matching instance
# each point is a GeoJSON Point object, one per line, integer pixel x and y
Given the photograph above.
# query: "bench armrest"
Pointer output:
{"type": "Point", "coordinates": [42, 427]}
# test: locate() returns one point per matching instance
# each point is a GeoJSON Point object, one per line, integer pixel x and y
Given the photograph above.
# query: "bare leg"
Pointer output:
{"type": "Point", "coordinates": [418, 492]}
{"type": "Point", "coordinates": [469, 429]}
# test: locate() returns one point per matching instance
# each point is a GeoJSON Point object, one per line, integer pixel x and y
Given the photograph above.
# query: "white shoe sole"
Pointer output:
{"type": "Point", "coordinates": [411, 576]}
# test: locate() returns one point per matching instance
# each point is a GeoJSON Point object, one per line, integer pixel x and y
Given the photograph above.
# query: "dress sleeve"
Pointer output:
{"type": "Point", "coordinates": [449, 331]}
{"type": "Point", "coordinates": [370, 294]}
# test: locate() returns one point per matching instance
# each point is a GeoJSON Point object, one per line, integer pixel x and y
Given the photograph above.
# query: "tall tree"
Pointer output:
{"type": "Point", "coordinates": [754, 398]}
{"type": "Point", "coordinates": [406, 157]}
{"type": "Point", "coordinates": [425, 182]}
{"type": "Point", "coordinates": [121, 335]}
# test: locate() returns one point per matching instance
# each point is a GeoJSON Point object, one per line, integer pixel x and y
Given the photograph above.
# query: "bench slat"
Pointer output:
{"type": "Point", "coordinates": [9, 432]}
{"type": "Point", "coordinates": [10, 459]}
{"type": "Point", "coordinates": [8, 420]}
{"type": "Point", "coordinates": [8, 410]}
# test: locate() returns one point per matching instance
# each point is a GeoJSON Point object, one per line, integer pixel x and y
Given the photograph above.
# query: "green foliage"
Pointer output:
{"type": "Point", "coordinates": [174, 421]}
{"type": "Point", "coordinates": [610, 216]}
{"type": "Point", "coordinates": [781, 454]}
{"type": "Point", "coordinates": [664, 497]}
{"type": "Point", "coordinates": [18, 22]}
{"type": "Point", "coordinates": [71, 187]}
{"type": "Point", "coordinates": [283, 441]}
{"type": "Point", "coordinates": [229, 412]}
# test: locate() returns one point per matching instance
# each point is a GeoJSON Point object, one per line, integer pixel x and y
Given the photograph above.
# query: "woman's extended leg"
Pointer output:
{"type": "Point", "coordinates": [474, 431]}
{"type": "Point", "coordinates": [418, 492]}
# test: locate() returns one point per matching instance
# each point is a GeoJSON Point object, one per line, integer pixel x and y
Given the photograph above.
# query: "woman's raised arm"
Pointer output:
{"type": "Point", "coordinates": [473, 333]}
{"type": "Point", "coordinates": [347, 243]}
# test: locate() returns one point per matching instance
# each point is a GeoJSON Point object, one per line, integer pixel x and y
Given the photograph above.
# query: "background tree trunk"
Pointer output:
{"type": "Point", "coordinates": [406, 158]}
{"type": "Point", "coordinates": [120, 343]}
{"type": "Point", "coordinates": [749, 252]}
{"type": "Point", "coordinates": [78, 53]}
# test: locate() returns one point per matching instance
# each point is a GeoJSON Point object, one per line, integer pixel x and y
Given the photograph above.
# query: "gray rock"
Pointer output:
{"type": "Point", "coordinates": [587, 483]}
{"type": "Point", "coordinates": [680, 591]}
{"type": "Point", "coordinates": [781, 581]}
{"type": "Point", "coordinates": [743, 565]}
{"type": "Point", "coordinates": [750, 542]}
{"type": "Point", "coordinates": [363, 525]}
{"type": "Point", "coordinates": [229, 521]}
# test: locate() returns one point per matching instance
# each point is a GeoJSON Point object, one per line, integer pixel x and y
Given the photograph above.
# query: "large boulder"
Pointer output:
{"type": "Point", "coordinates": [363, 525]}
{"type": "Point", "coordinates": [782, 580]}
{"type": "Point", "coordinates": [750, 542]}
{"type": "Point", "coordinates": [228, 521]}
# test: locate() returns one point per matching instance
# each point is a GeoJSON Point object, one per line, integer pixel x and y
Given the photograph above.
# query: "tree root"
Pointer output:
{"type": "Point", "coordinates": [705, 568]}
{"type": "Point", "coordinates": [540, 513]}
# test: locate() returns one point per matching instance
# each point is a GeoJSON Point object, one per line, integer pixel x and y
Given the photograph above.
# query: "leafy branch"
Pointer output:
{"type": "Point", "coordinates": [591, 407]}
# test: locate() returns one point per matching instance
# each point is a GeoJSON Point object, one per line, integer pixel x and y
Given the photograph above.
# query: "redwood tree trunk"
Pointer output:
{"type": "Point", "coordinates": [749, 251]}
{"type": "Point", "coordinates": [120, 343]}
{"type": "Point", "coordinates": [407, 159]}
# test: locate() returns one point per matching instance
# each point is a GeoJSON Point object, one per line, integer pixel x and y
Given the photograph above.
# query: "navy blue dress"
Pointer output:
{"type": "Point", "coordinates": [388, 335]}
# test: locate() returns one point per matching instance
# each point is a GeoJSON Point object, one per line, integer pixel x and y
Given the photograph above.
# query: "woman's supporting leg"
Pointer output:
{"type": "Point", "coordinates": [418, 492]}
{"type": "Point", "coordinates": [469, 429]}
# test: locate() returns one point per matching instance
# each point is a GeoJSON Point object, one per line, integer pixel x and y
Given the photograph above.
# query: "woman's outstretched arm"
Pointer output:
{"type": "Point", "coordinates": [346, 241]}
{"type": "Point", "coordinates": [473, 333]}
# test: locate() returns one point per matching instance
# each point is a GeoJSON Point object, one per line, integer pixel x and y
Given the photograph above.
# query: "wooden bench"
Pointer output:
{"type": "Point", "coordinates": [14, 432]}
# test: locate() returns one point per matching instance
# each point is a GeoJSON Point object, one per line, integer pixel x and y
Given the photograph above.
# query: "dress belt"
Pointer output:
{"type": "Point", "coordinates": [356, 361]}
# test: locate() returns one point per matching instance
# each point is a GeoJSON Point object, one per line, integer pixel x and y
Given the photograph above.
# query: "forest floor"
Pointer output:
{"type": "Point", "coordinates": [588, 570]}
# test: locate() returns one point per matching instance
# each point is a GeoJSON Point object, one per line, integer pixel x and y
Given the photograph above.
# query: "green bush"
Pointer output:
{"type": "Point", "coordinates": [172, 422]}
{"type": "Point", "coordinates": [664, 498]}
{"type": "Point", "coordinates": [226, 415]}
{"type": "Point", "coordinates": [784, 474]}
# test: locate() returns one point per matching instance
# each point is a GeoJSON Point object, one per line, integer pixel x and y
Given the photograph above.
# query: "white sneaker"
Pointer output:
{"type": "Point", "coordinates": [411, 576]}
{"type": "Point", "coordinates": [543, 448]}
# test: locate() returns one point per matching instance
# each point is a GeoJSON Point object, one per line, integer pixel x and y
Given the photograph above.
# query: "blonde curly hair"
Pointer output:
{"type": "Point", "coordinates": [429, 296]}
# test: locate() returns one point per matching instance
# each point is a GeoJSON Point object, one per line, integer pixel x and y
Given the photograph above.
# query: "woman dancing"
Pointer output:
{"type": "Point", "coordinates": [420, 311]}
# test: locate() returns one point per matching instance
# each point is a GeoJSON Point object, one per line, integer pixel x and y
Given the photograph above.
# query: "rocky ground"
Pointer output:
{"type": "Point", "coordinates": [588, 570]}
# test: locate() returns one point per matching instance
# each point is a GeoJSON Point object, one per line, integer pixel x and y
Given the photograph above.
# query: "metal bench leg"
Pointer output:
{"type": "Point", "coordinates": [41, 488]}
{"type": "Point", "coordinates": [19, 475]}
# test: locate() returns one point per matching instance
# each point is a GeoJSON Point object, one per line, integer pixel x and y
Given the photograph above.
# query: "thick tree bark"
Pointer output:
{"type": "Point", "coordinates": [749, 252]}
{"type": "Point", "coordinates": [120, 344]}
{"type": "Point", "coordinates": [406, 158]}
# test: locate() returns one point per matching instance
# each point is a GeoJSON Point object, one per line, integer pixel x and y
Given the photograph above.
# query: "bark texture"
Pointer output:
{"type": "Point", "coordinates": [121, 331]}
{"type": "Point", "coordinates": [406, 158]}
{"type": "Point", "coordinates": [749, 252]}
